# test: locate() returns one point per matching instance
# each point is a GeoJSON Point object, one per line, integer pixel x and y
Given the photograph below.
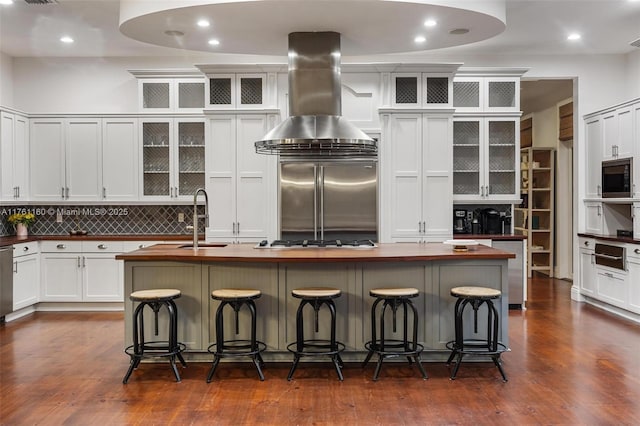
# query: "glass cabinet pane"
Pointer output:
{"type": "Point", "coordinates": [437, 90]}
{"type": "Point", "coordinates": [220, 91]}
{"type": "Point", "coordinates": [502, 94]}
{"type": "Point", "coordinates": [502, 157]}
{"type": "Point", "coordinates": [250, 91]}
{"type": "Point", "coordinates": [466, 94]}
{"type": "Point", "coordinates": [156, 158]}
{"type": "Point", "coordinates": [466, 157]}
{"type": "Point", "coordinates": [156, 95]}
{"type": "Point", "coordinates": [406, 90]}
{"type": "Point", "coordinates": [190, 157]}
{"type": "Point", "coordinates": [191, 95]}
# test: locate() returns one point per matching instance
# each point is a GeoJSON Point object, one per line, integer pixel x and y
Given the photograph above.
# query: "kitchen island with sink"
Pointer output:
{"type": "Point", "coordinates": [432, 268]}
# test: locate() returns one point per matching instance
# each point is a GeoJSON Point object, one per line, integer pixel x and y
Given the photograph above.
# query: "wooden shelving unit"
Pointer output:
{"type": "Point", "coordinates": [535, 216]}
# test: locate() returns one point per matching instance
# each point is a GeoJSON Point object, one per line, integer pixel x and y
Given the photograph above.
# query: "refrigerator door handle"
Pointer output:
{"type": "Point", "coordinates": [322, 202]}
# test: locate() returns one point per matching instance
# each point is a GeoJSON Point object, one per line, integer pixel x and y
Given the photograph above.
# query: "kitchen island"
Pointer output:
{"type": "Point", "coordinates": [432, 268]}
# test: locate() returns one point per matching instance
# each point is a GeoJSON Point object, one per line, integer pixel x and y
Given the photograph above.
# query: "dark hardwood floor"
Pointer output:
{"type": "Point", "coordinates": [569, 364]}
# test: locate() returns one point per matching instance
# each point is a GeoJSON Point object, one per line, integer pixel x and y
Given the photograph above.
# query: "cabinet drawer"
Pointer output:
{"type": "Point", "coordinates": [24, 249]}
{"type": "Point", "coordinates": [102, 246]}
{"type": "Point", "coordinates": [612, 287]}
{"type": "Point", "coordinates": [61, 246]}
{"type": "Point", "coordinates": [128, 246]}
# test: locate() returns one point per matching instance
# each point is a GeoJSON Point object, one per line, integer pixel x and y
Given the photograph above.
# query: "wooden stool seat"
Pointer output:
{"type": "Point", "coordinates": [394, 292]}
{"type": "Point", "coordinates": [235, 294]}
{"type": "Point", "coordinates": [155, 294]}
{"type": "Point", "coordinates": [472, 292]}
{"type": "Point", "coordinates": [315, 292]}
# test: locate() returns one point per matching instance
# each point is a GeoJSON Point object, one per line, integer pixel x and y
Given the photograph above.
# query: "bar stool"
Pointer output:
{"type": "Point", "coordinates": [316, 297]}
{"type": "Point", "coordinates": [236, 298]}
{"type": "Point", "coordinates": [476, 297]}
{"type": "Point", "coordinates": [387, 348]}
{"type": "Point", "coordinates": [140, 349]}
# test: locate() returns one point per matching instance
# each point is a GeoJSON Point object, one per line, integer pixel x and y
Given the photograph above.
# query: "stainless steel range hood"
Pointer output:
{"type": "Point", "coordinates": [315, 127]}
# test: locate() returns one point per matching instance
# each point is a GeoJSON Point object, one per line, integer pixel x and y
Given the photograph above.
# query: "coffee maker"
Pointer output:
{"type": "Point", "coordinates": [491, 221]}
{"type": "Point", "coordinates": [461, 222]}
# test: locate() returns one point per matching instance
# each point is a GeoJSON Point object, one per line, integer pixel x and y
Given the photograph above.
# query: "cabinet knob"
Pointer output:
{"type": "Point", "coordinates": [102, 246]}
{"type": "Point", "coordinates": [637, 251]}
{"type": "Point", "coordinates": [61, 246]}
{"type": "Point", "coordinates": [25, 248]}
{"type": "Point", "coordinates": [586, 243]}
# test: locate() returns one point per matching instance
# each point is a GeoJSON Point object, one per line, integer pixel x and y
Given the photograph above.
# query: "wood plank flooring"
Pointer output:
{"type": "Point", "coordinates": [570, 364]}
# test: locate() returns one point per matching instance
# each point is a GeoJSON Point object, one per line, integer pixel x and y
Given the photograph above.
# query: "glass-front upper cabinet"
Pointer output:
{"type": "Point", "coordinates": [171, 94]}
{"type": "Point", "coordinates": [241, 91]}
{"type": "Point", "coordinates": [417, 90]}
{"type": "Point", "coordinates": [173, 157]}
{"type": "Point", "coordinates": [484, 159]}
{"type": "Point", "coordinates": [486, 94]}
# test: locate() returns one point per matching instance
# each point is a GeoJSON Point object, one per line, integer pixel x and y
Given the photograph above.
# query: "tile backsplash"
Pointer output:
{"type": "Point", "coordinates": [104, 220]}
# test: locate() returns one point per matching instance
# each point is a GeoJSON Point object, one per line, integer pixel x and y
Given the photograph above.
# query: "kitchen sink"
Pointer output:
{"type": "Point", "coordinates": [202, 245]}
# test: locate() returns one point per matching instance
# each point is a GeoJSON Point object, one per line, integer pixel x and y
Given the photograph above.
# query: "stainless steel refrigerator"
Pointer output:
{"type": "Point", "coordinates": [329, 200]}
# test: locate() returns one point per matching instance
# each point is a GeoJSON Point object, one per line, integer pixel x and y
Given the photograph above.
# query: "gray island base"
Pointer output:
{"type": "Point", "coordinates": [432, 268]}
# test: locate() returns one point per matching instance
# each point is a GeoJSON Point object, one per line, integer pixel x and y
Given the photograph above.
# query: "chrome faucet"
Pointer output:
{"type": "Point", "coordinates": [196, 216]}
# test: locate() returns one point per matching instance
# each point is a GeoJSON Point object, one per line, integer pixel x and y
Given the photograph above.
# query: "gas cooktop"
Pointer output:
{"type": "Point", "coordinates": [317, 244]}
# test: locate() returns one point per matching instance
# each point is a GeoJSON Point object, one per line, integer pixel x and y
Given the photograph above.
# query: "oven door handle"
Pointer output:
{"type": "Point", "coordinates": [606, 256]}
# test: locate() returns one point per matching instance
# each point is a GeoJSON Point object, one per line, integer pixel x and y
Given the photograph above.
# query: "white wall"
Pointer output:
{"type": "Point", "coordinates": [545, 128]}
{"type": "Point", "coordinates": [633, 73]}
{"type": "Point", "coordinates": [6, 80]}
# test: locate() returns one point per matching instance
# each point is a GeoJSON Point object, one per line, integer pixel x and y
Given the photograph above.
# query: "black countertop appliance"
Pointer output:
{"type": "Point", "coordinates": [461, 221]}
{"type": "Point", "coordinates": [490, 221]}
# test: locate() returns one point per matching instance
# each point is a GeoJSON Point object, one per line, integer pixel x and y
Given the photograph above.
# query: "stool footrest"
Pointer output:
{"type": "Point", "coordinates": [155, 350]}
{"type": "Point", "coordinates": [316, 347]}
{"type": "Point", "coordinates": [236, 348]}
{"type": "Point", "coordinates": [390, 345]}
{"type": "Point", "coordinates": [476, 347]}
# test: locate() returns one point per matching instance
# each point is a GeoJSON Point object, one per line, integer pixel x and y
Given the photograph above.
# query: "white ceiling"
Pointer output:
{"type": "Point", "coordinates": [532, 27]}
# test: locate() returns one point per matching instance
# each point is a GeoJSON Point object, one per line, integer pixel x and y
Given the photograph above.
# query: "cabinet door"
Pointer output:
{"type": "Point", "coordinates": [61, 277]}
{"type": "Point", "coordinates": [502, 94]}
{"type": "Point", "coordinates": [437, 180]}
{"type": "Point", "coordinates": [610, 134]}
{"type": "Point", "coordinates": [467, 154]}
{"type": "Point", "coordinates": [612, 287]}
{"type": "Point", "coordinates": [502, 136]}
{"type": "Point", "coordinates": [26, 281]}
{"type": "Point", "coordinates": [83, 140]}
{"type": "Point", "coordinates": [593, 222]}
{"type": "Point", "coordinates": [633, 263]}
{"type": "Point", "coordinates": [593, 160]}
{"type": "Point", "coordinates": [156, 159]}
{"type": "Point", "coordinates": [626, 146]}
{"type": "Point", "coordinates": [636, 175]}
{"type": "Point", "coordinates": [587, 273]}
{"type": "Point", "coordinates": [7, 185]}
{"type": "Point", "coordinates": [120, 159]}
{"type": "Point", "coordinates": [636, 221]}
{"type": "Point", "coordinates": [102, 278]}
{"type": "Point", "coordinates": [254, 181]}
{"type": "Point", "coordinates": [190, 158]}
{"type": "Point", "coordinates": [221, 160]}
{"type": "Point", "coordinates": [21, 156]}
{"type": "Point", "coordinates": [405, 177]}
{"type": "Point", "coordinates": [46, 154]}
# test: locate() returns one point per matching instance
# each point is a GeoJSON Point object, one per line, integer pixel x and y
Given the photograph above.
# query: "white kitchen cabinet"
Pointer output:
{"type": "Point", "coordinates": [415, 90]}
{"type": "Point", "coordinates": [612, 286]}
{"type": "Point", "coordinates": [587, 267]}
{"type": "Point", "coordinates": [65, 158]}
{"type": "Point", "coordinates": [617, 133]}
{"type": "Point", "coordinates": [416, 175]}
{"type": "Point", "coordinates": [593, 217]}
{"type": "Point", "coordinates": [74, 271]}
{"type": "Point", "coordinates": [173, 157]}
{"type": "Point", "coordinates": [633, 265]}
{"type": "Point", "coordinates": [486, 94]}
{"type": "Point", "coordinates": [241, 184]}
{"type": "Point", "coordinates": [593, 154]}
{"type": "Point", "coordinates": [14, 156]}
{"type": "Point", "coordinates": [120, 159]}
{"type": "Point", "coordinates": [26, 275]}
{"type": "Point", "coordinates": [170, 94]}
{"type": "Point", "coordinates": [361, 99]}
{"type": "Point", "coordinates": [635, 108]}
{"type": "Point", "coordinates": [239, 91]}
{"type": "Point", "coordinates": [636, 220]}
{"type": "Point", "coordinates": [485, 167]}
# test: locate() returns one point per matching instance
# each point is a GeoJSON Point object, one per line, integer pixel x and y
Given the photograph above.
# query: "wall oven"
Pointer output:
{"type": "Point", "coordinates": [617, 178]}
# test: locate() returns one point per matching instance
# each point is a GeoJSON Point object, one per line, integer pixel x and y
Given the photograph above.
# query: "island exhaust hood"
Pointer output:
{"type": "Point", "coordinates": [315, 127]}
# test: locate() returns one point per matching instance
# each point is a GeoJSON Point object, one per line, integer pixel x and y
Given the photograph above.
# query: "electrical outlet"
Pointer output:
{"type": "Point", "coordinates": [58, 217]}
{"type": "Point", "coordinates": [180, 217]}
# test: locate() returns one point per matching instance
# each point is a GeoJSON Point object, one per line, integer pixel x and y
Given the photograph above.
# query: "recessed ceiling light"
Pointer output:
{"type": "Point", "coordinates": [66, 39]}
{"type": "Point", "coordinates": [174, 33]}
{"type": "Point", "coordinates": [430, 23]}
{"type": "Point", "coordinates": [214, 42]}
{"type": "Point", "coordinates": [420, 39]}
{"type": "Point", "coordinates": [6, 2]}
{"type": "Point", "coordinates": [574, 36]}
{"type": "Point", "coordinates": [459, 31]}
{"type": "Point", "coordinates": [203, 23]}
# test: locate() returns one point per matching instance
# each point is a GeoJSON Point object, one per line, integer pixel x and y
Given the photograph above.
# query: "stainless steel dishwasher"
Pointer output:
{"type": "Point", "coordinates": [6, 281]}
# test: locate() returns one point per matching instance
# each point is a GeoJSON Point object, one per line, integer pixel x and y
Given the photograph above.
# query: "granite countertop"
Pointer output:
{"type": "Point", "coordinates": [393, 252]}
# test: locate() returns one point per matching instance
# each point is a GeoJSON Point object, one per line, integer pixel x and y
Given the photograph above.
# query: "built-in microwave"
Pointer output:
{"type": "Point", "coordinates": [617, 178]}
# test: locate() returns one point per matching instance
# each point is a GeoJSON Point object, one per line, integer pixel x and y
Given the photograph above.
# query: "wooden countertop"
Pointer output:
{"type": "Point", "coordinates": [398, 252]}
{"type": "Point", "coordinates": [500, 237]}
